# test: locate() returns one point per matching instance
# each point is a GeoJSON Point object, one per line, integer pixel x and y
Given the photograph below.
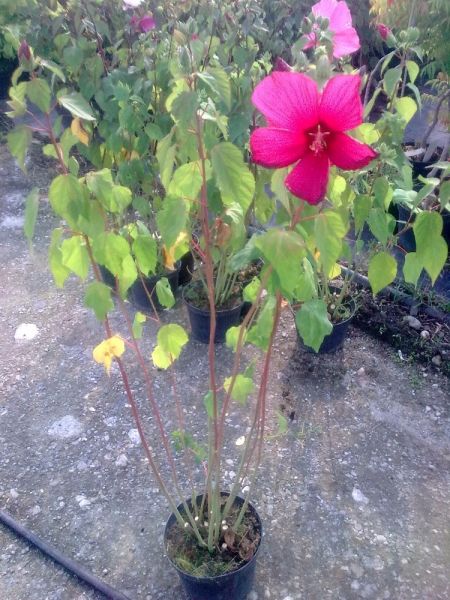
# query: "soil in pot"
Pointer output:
{"type": "Point", "coordinates": [227, 315]}
{"type": "Point", "coordinates": [228, 573]}
{"type": "Point", "coordinates": [139, 295]}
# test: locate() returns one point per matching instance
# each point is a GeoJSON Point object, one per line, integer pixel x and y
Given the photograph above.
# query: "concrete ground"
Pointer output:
{"type": "Point", "coordinates": [355, 499]}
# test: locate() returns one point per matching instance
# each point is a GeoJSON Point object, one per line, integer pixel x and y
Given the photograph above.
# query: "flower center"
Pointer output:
{"type": "Point", "coordinates": [318, 140]}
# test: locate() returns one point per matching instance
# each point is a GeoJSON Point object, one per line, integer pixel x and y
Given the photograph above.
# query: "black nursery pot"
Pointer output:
{"type": "Point", "coordinates": [200, 320]}
{"type": "Point", "coordinates": [334, 340]}
{"type": "Point", "coordinates": [235, 585]}
{"type": "Point", "coordinates": [108, 277]}
{"type": "Point", "coordinates": [186, 268]}
{"type": "Point", "coordinates": [139, 297]}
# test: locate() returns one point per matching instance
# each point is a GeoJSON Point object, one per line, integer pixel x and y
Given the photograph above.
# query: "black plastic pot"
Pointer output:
{"type": "Point", "coordinates": [186, 268]}
{"type": "Point", "coordinates": [108, 277]}
{"type": "Point", "coordinates": [235, 585]}
{"type": "Point", "coordinates": [200, 320]}
{"type": "Point", "coordinates": [138, 294]}
{"type": "Point", "coordinates": [334, 340]}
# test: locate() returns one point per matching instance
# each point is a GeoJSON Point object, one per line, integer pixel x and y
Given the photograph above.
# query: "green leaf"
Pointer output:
{"type": "Point", "coordinates": [330, 231]}
{"type": "Point", "coordinates": [53, 67]}
{"type": "Point", "coordinates": [413, 70]}
{"type": "Point", "coordinates": [284, 250]}
{"type": "Point", "coordinates": [412, 268]}
{"type": "Point", "coordinates": [234, 179]}
{"type": "Point", "coordinates": [98, 297]}
{"type": "Point", "coordinates": [232, 337]}
{"type": "Point", "coordinates": [406, 108]}
{"type": "Point", "coordinates": [128, 275]}
{"type": "Point", "coordinates": [382, 271]}
{"type": "Point", "coordinates": [66, 195]}
{"type": "Point", "coordinates": [31, 212]}
{"type": "Point", "coordinates": [312, 323]}
{"type": "Point", "coordinates": [110, 250]}
{"type": "Point", "coordinates": [114, 198]}
{"type": "Point", "coordinates": [39, 94]}
{"type": "Point", "coordinates": [165, 155]}
{"type": "Point", "coordinates": [250, 291]}
{"type": "Point", "coordinates": [307, 287]}
{"type": "Point", "coordinates": [242, 388]}
{"type": "Point", "coordinates": [172, 219]}
{"type": "Point", "coordinates": [59, 271]}
{"type": "Point", "coordinates": [382, 224]}
{"type": "Point", "coordinates": [279, 189]}
{"type": "Point", "coordinates": [431, 248]}
{"type": "Point", "coordinates": [218, 81]}
{"type": "Point", "coordinates": [164, 293]}
{"type": "Point", "coordinates": [208, 402]}
{"type": "Point", "coordinates": [390, 80]}
{"type": "Point", "coordinates": [75, 256]}
{"type": "Point", "coordinates": [383, 193]}
{"type": "Point", "coordinates": [183, 108]}
{"type": "Point", "coordinates": [186, 181]}
{"type": "Point", "coordinates": [171, 341]}
{"type": "Point", "coordinates": [77, 106]}
{"type": "Point", "coordinates": [18, 141]}
{"type": "Point", "coordinates": [282, 423]}
{"type": "Point", "coordinates": [259, 334]}
{"type": "Point", "coordinates": [153, 131]}
{"type": "Point", "coordinates": [139, 320]}
{"type": "Point", "coordinates": [145, 251]}
{"type": "Point", "coordinates": [361, 209]}
{"type": "Point", "coordinates": [161, 359]}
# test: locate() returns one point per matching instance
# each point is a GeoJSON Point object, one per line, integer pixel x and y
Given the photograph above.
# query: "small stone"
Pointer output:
{"type": "Point", "coordinates": [35, 510]}
{"type": "Point", "coordinates": [26, 331]}
{"type": "Point", "coordinates": [121, 461]}
{"type": "Point", "coordinates": [437, 360]}
{"type": "Point", "coordinates": [253, 595]}
{"type": "Point", "coordinates": [359, 497]}
{"type": "Point", "coordinates": [13, 493]}
{"type": "Point", "coordinates": [425, 335]}
{"type": "Point", "coordinates": [360, 372]}
{"type": "Point", "coordinates": [66, 427]}
{"type": "Point", "coordinates": [133, 436]}
{"type": "Point", "coordinates": [413, 322]}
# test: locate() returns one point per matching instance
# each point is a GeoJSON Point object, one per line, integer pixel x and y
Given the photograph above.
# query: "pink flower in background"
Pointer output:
{"type": "Point", "coordinates": [383, 30]}
{"type": "Point", "coordinates": [147, 23]}
{"type": "Point", "coordinates": [345, 38]}
{"type": "Point", "coordinates": [306, 129]}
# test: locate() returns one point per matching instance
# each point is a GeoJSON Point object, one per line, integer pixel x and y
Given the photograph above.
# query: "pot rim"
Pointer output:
{"type": "Point", "coordinates": [202, 311]}
{"type": "Point", "coordinates": [224, 575]}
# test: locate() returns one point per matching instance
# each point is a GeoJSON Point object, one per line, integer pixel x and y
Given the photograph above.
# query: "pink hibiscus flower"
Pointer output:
{"type": "Point", "coordinates": [306, 129]}
{"type": "Point", "coordinates": [345, 38]}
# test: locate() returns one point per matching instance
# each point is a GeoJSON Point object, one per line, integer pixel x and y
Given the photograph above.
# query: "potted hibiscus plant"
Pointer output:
{"type": "Point", "coordinates": [214, 533]}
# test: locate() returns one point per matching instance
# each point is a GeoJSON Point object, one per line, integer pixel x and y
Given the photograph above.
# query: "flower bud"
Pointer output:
{"type": "Point", "coordinates": [383, 30]}
{"type": "Point", "coordinates": [24, 52]}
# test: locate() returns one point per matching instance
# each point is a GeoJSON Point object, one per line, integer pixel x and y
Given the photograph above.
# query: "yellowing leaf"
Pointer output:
{"type": "Point", "coordinates": [335, 271]}
{"type": "Point", "coordinates": [79, 131]}
{"type": "Point", "coordinates": [111, 348]}
{"type": "Point", "coordinates": [170, 254]}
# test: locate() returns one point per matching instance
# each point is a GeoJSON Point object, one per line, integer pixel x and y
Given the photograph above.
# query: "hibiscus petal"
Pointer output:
{"type": "Point", "coordinates": [345, 42]}
{"type": "Point", "coordinates": [341, 17]}
{"type": "Point", "coordinates": [347, 153]}
{"type": "Point", "coordinates": [309, 179]}
{"type": "Point", "coordinates": [325, 8]}
{"type": "Point", "coordinates": [273, 147]}
{"type": "Point", "coordinates": [341, 107]}
{"type": "Point", "coordinates": [288, 100]}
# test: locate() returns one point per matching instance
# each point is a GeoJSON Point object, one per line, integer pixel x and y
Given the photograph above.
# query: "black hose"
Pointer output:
{"type": "Point", "coordinates": [70, 565]}
{"type": "Point", "coordinates": [392, 293]}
